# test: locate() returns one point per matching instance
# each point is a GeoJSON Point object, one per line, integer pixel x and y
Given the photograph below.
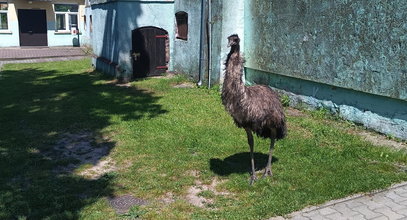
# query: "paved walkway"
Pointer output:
{"type": "Point", "coordinates": [39, 54]}
{"type": "Point", "coordinates": [17, 53]}
{"type": "Point", "coordinates": [386, 204]}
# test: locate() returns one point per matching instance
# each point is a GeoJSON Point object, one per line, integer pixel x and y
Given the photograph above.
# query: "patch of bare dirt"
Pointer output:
{"type": "Point", "coordinates": [294, 112]}
{"type": "Point", "coordinates": [167, 75]}
{"type": "Point", "coordinates": [168, 198]}
{"type": "Point", "coordinates": [195, 194]}
{"type": "Point", "coordinates": [99, 169]}
{"type": "Point", "coordinates": [195, 198]}
{"type": "Point", "coordinates": [75, 149]}
{"type": "Point", "coordinates": [379, 140]}
{"type": "Point", "coordinates": [184, 85]}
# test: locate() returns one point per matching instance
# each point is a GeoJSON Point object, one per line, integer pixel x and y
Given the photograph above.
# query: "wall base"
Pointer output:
{"type": "Point", "coordinates": [382, 114]}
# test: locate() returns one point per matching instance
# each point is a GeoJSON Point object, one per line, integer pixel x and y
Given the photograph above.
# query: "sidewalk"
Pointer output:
{"type": "Point", "coordinates": [386, 204]}
{"type": "Point", "coordinates": [23, 53]}
{"type": "Point", "coordinates": [39, 54]}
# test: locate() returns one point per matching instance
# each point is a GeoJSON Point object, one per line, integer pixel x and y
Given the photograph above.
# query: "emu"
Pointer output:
{"type": "Point", "coordinates": [255, 108]}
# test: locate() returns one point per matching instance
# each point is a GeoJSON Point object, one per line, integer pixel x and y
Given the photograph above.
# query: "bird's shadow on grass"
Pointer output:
{"type": "Point", "coordinates": [238, 163]}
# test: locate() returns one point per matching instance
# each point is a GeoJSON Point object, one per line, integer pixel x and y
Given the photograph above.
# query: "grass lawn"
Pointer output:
{"type": "Point", "coordinates": [172, 147]}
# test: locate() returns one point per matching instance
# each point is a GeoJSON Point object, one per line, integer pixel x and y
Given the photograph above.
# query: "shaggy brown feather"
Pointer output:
{"type": "Point", "coordinates": [257, 108]}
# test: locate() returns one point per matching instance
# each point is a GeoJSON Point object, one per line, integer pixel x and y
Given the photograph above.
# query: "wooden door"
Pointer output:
{"type": "Point", "coordinates": [33, 27]}
{"type": "Point", "coordinates": [149, 51]}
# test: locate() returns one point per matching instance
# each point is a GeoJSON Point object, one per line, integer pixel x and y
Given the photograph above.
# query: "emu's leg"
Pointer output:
{"type": "Point", "coordinates": [250, 140]}
{"type": "Point", "coordinates": [267, 171]}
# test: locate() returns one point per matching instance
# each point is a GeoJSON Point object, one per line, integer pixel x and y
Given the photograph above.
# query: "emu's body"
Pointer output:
{"type": "Point", "coordinates": [255, 108]}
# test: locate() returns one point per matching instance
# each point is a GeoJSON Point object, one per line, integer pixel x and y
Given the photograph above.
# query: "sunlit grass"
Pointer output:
{"type": "Point", "coordinates": [165, 140]}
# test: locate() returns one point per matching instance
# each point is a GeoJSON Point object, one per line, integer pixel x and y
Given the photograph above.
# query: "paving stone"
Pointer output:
{"type": "Point", "coordinates": [354, 203]}
{"type": "Point", "coordinates": [373, 205]}
{"type": "Point", "coordinates": [389, 213]}
{"type": "Point", "coordinates": [394, 206]}
{"type": "Point", "coordinates": [336, 216]}
{"type": "Point", "coordinates": [402, 212]}
{"type": "Point", "coordinates": [358, 217]}
{"type": "Point", "coordinates": [344, 210]}
{"type": "Point", "coordinates": [381, 198]}
{"type": "Point", "coordinates": [402, 192]}
{"type": "Point", "coordinates": [390, 204]}
{"type": "Point", "coordinates": [32, 53]}
{"type": "Point", "coordinates": [316, 216]}
{"type": "Point", "coordinates": [381, 218]}
{"type": "Point", "coordinates": [327, 211]}
{"type": "Point", "coordinates": [366, 212]}
{"type": "Point", "coordinates": [300, 217]}
{"type": "Point", "coordinates": [395, 197]}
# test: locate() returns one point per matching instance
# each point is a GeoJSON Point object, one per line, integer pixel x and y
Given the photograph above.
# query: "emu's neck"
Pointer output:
{"type": "Point", "coordinates": [233, 83]}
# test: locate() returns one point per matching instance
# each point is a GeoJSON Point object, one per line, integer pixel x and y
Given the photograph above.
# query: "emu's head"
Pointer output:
{"type": "Point", "coordinates": [234, 40]}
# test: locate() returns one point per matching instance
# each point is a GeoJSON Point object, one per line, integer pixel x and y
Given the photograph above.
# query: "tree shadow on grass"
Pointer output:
{"type": "Point", "coordinates": [39, 108]}
{"type": "Point", "coordinates": [238, 163]}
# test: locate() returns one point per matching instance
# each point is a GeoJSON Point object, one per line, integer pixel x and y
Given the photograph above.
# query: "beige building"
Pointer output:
{"type": "Point", "coordinates": [42, 23]}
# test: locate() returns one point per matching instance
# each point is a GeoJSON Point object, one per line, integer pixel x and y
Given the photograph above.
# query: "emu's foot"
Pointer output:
{"type": "Point", "coordinates": [267, 172]}
{"type": "Point", "coordinates": [253, 178]}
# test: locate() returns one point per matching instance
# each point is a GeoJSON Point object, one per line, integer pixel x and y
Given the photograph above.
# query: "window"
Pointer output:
{"type": "Point", "coordinates": [90, 23]}
{"type": "Point", "coordinates": [66, 17]}
{"type": "Point", "coordinates": [182, 25]}
{"type": "Point", "coordinates": [3, 16]}
{"type": "Point", "coordinates": [84, 23]}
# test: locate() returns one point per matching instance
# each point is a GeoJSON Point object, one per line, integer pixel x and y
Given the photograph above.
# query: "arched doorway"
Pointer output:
{"type": "Point", "coordinates": [149, 51]}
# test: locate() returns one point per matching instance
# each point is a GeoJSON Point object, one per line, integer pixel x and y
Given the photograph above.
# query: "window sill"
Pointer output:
{"type": "Point", "coordinates": [62, 32]}
{"type": "Point", "coordinates": [180, 40]}
{"type": "Point", "coordinates": [5, 32]}
{"type": "Point", "coordinates": [65, 33]}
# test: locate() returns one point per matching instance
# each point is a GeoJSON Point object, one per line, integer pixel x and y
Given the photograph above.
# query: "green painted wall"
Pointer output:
{"type": "Point", "coordinates": [358, 45]}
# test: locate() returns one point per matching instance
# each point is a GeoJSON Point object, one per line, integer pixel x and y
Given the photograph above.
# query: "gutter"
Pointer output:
{"type": "Point", "coordinates": [209, 43]}
{"type": "Point", "coordinates": [201, 45]}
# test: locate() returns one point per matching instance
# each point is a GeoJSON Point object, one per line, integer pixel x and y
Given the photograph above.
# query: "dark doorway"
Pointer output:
{"type": "Point", "coordinates": [149, 51]}
{"type": "Point", "coordinates": [33, 27]}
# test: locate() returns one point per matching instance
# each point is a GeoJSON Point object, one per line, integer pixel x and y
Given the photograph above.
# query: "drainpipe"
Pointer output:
{"type": "Point", "coordinates": [201, 44]}
{"type": "Point", "coordinates": [209, 43]}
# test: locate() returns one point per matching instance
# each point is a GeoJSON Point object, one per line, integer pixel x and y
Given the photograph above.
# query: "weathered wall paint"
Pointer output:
{"type": "Point", "coordinates": [186, 52]}
{"type": "Point", "coordinates": [360, 45]}
{"type": "Point", "coordinates": [114, 32]}
{"type": "Point", "coordinates": [11, 38]}
{"type": "Point", "coordinates": [388, 107]}
{"type": "Point", "coordinates": [383, 114]}
{"type": "Point", "coordinates": [347, 56]}
{"type": "Point", "coordinates": [233, 22]}
{"type": "Point", "coordinates": [227, 18]}
{"type": "Point", "coordinates": [86, 38]}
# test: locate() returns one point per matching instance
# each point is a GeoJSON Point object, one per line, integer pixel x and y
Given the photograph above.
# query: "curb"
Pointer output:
{"type": "Point", "coordinates": [36, 58]}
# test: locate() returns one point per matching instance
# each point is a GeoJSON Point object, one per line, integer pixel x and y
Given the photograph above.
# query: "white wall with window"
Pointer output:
{"type": "Point", "coordinates": [66, 17]}
{"type": "Point", "coordinates": [61, 17]}
{"type": "Point", "coordinates": [3, 16]}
